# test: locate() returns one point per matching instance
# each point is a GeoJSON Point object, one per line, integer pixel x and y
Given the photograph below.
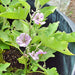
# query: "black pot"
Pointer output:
{"type": "Point", "coordinates": [63, 63]}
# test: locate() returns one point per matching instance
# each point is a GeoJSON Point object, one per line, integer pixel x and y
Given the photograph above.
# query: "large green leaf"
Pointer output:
{"type": "Point", "coordinates": [3, 67]}
{"type": "Point", "coordinates": [42, 2]}
{"type": "Point", "coordinates": [9, 39]}
{"type": "Point", "coordinates": [5, 2]}
{"type": "Point", "coordinates": [20, 13]}
{"type": "Point", "coordinates": [69, 37]}
{"type": "Point", "coordinates": [51, 71]}
{"type": "Point", "coordinates": [55, 44]}
{"type": "Point", "coordinates": [48, 10]}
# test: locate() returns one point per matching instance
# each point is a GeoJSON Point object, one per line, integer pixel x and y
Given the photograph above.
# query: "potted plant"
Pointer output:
{"type": "Point", "coordinates": [38, 42]}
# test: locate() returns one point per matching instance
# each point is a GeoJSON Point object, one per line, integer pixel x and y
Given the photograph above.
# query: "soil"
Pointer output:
{"type": "Point", "coordinates": [71, 11]}
{"type": "Point", "coordinates": [11, 57]}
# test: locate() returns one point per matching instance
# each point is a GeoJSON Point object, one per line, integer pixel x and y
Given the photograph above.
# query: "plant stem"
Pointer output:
{"type": "Point", "coordinates": [26, 62]}
{"type": "Point", "coordinates": [41, 68]}
{"type": "Point", "coordinates": [26, 68]}
{"type": "Point", "coordinates": [30, 25]}
{"type": "Point", "coordinates": [20, 51]}
{"type": "Point", "coordinates": [37, 71]}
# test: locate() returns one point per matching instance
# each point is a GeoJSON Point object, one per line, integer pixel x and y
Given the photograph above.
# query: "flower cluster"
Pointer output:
{"type": "Point", "coordinates": [24, 39]}
{"type": "Point", "coordinates": [38, 18]}
{"type": "Point", "coordinates": [35, 55]}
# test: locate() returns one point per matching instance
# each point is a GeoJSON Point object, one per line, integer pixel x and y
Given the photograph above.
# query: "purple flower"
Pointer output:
{"type": "Point", "coordinates": [40, 52]}
{"type": "Point", "coordinates": [23, 40]}
{"type": "Point", "coordinates": [35, 55]}
{"type": "Point", "coordinates": [38, 18]}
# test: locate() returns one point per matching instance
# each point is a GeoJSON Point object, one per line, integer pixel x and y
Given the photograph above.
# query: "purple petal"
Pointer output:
{"type": "Point", "coordinates": [43, 23]}
{"type": "Point", "coordinates": [37, 22]}
{"type": "Point", "coordinates": [40, 52]}
{"type": "Point", "coordinates": [23, 40]}
{"type": "Point", "coordinates": [41, 16]}
{"type": "Point", "coordinates": [34, 56]}
{"type": "Point", "coordinates": [22, 35]}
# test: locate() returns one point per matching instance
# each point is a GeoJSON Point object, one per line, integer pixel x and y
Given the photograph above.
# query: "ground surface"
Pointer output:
{"type": "Point", "coordinates": [71, 11]}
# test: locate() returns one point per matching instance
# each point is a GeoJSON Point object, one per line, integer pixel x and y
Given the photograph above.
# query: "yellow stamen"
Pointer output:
{"type": "Point", "coordinates": [41, 54]}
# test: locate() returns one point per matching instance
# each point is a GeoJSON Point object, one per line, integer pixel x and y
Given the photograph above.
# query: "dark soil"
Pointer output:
{"type": "Point", "coordinates": [11, 57]}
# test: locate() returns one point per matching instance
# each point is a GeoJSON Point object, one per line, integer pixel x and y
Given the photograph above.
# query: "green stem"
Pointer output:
{"type": "Point", "coordinates": [37, 71]}
{"type": "Point", "coordinates": [26, 68]}
{"type": "Point", "coordinates": [20, 51]}
{"type": "Point", "coordinates": [30, 25]}
{"type": "Point", "coordinates": [41, 68]}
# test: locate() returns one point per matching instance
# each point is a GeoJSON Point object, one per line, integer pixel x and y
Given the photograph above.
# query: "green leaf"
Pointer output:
{"type": "Point", "coordinates": [42, 2]}
{"type": "Point", "coordinates": [52, 27]}
{"type": "Point", "coordinates": [9, 38]}
{"type": "Point", "coordinates": [6, 26]}
{"type": "Point", "coordinates": [5, 2]}
{"type": "Point", "coordinates": [20, 13]}
{"type": "Point", "coordinates": [35, 39]}
{"type": "Point", "coordinates": [1, 56]}
{"type": "Point", "coordinates": [3, 67]}
{"type": "Point", "coordinates": [22, 60]}
{"type": "Point", "coordinates": [14, 3]}
{"type": "Point", "coordinates": [34, 68]}
{"type": "Point", "coordinates": [49, 54]}
{"type": "Point", "coordinates": [49, 30]}
{"type": "Point", "coordinates": [3, 36]}
{"type": "Point", "coordinates": [12, 40]}
{"type": "Point", "coordinates": [2, 9]}
{"type": "Point", "coordinates": [69, 37]}
{"type": "Point", "coordinates": [37, 4]}
{"type": "Point", "coordinates": [3, 46]}
{"type": "Point", "coordinates": [20, 25]}
{"type": "Point", "coordinates": [19, 72]}
{"type": "Point", "coordinates": [55, 44]}
{"type": "Point", "coordinates": [6, 74]}
{"type": "Point", "coordinates": [25, 4]}
{"type": "Point", "coordinates": [48, 10]}
{"type": "Point", "coordinates": [51, 71]}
